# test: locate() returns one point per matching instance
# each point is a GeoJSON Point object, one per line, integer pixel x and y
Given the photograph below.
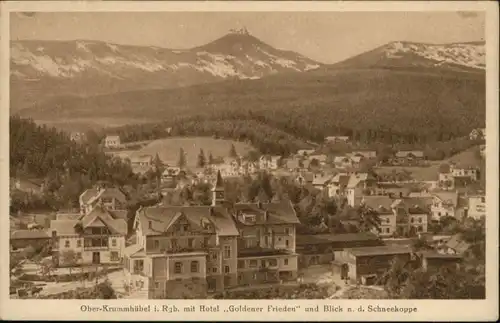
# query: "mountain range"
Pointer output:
{"type": "Point", "coordinates": [441, 86]}
{"type": "Point", "coordinates": [41, 69]}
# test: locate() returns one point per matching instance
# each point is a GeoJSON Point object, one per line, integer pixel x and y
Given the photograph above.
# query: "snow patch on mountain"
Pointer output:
{"type": "Point", "coordinates": [465, 54]}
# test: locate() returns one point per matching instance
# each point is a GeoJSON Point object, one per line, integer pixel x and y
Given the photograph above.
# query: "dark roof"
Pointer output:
{"type": "Point", "coordinates": [277, 212]}
{"type": "Point", "coordinates": [380, 250]}
{"type": "Point", "coordinates": [162, 218]}
{"type": "Point", "coordinates": [93, 193]}
{"type": "Point", "coordinates": [219, 182]}
{"type": "Point", "coordinates": [257, 252]}
{"type": "Point", "coordinates": [379, 204]}
{"type": "Point", "coordinates": [329, 238]}
{"type": "Point", "coordinates": [115, 221]}
{"type": "Point", "coordinates": [29, 234]}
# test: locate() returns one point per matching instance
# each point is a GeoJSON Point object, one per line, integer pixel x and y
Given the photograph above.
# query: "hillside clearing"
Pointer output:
{"type": "Point", "coordinates": [168, 148]}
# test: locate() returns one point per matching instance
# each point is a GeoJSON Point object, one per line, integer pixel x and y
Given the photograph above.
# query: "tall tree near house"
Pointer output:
{"type": "Point", "coordinates": [368, 219]}
{"type": "Point", "coordinates": [202, 161]}
{"type": "Point", "coordinates": [69, 258]}
{"type": "Point", "coordinates": [182, 158]}
{"type": "Point", "coordinates": [232, 152]}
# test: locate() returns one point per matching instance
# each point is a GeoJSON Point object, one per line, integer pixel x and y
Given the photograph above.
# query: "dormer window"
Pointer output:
{"type": "Point", "coordinates": [248, 218]}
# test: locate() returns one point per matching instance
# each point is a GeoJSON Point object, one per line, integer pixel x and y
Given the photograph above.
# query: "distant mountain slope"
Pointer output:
{"type": "Point", "coordinates": [320, 101]}
{"type": "Point", "coordinates": [42, 69]}
{"type": "Point", "coordinates": [456, 56]}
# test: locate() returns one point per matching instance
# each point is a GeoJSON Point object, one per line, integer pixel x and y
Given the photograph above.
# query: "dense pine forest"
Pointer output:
{"type": "Point", "coordinates": [66, 167]}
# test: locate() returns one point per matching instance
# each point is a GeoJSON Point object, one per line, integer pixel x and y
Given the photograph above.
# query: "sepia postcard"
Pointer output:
{"type": "Point", "coordinates": [252, 161]}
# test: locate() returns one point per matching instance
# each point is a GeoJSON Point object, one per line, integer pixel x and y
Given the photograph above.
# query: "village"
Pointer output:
{"type": "Point", "coordinates": [220, 247]}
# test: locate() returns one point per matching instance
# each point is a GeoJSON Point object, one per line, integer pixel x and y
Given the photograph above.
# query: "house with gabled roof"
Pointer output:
{"type": "Point", "coordinates": [338, 184]}
{"type": "Point", "coordinates": [270, 162]}
{"type": "Point", "coordinates": [96, 237]}
{"type": "Point", "coordinates": [357, 186]}
{"type": "Point", "coordinates": [408, 157]}
{"type": "Point", "coordinates": [444, 204]}
{"type": "Point", "coordinates": [110, 197]}
{"type": "Point", "coordinates": [211, 247]}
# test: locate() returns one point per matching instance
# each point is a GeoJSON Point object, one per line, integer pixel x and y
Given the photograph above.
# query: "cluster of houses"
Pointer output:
{"type": "Point", "coordinates": [202, 249]}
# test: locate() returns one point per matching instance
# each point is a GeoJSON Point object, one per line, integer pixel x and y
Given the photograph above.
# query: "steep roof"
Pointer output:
{"type": "Point", "coordinates": [29, 234]}
{"type": "Point", "coordinates": [162, 217]}
{"type": "Point", "coordinates": [114, 220]}
{"type": "Point", "coordinates": [219, 182]}
{"type": "Point", "coordinates": [450, 198]}
{"type": "Point", "coordinates": [356, 179]}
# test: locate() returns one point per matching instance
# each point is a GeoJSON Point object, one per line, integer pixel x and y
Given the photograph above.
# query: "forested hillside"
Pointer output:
{"type": "Point", "coordinates": [65, 167]}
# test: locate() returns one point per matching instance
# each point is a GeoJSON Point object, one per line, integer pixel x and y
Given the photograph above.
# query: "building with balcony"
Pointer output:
{"type": "Point", "coordinates": [188, 251]}
{"type": "Point", "coordinates": [97, 237]}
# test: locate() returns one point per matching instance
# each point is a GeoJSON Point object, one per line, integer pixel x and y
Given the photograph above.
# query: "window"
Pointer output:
{"type": "Point", "coordinates": [412, 220]}
{"type": "Point", "coordinates": [483, 200]}
{"type": "Point", "coordinates": [178, 268]}
{"type": "Point", "coordinates": [185, 227]}
{"type": "Point", "coordinates": [273, 262]}
{"type": "Point", "coordinates": [227, 269]}
{"type": "Point", "coordinates": [78, 255]}
{"type": "Point", "coordinates": [263, 263]}
{"type": "Point", "coordinates": [173, 243]}
{"type": "Point", "coordinates": [241, 264]}
{"type": "Point", "coordinates": [206, 241]}
{"type": "Point", "coordinates": [157, 284]}
{"type": "Point", "coordinates": [439, 213]}
{"type": "Point", "coordinates": [78, 243]}
{"type": "Point", "coordinates": [254, 276]}
{"type": "Point", "coordinates": [114, 256]}
{"type": "Point", "coordinates": [113, 242]}
{"type": "Point", "coordinates": [419, 220]}
{"type": "Point", "coordinates": [190, 243]}
{"type": "Point", "coordinates": [195, 266]}
{"type": "Point", "coordinates": [214, 256]}
{"type": "Point", "coordinates": [279, 239]}
{"type": "Point", "coordinates": [253, 263]}
{"type": "Point", "coordinates": [387, 230]}
{"type": "Point", "coordinates": [287, 231]}
{"type": "Point", "coordinates": [286, 262]}
{"type": "Point", "coordinates": [66, 243]}
{"type": "Point", "coordinates": [227, 252]}
{"type": "Point", "coordinates": [287, 243]}
{"type": "Point", "coordinates": [214, 270]}
{"type": "Point", "coordinates": [138, 266]}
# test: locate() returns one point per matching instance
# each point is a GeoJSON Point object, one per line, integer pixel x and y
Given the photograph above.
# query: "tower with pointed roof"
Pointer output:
{"type": "Point", "coordinates": [218, 196]}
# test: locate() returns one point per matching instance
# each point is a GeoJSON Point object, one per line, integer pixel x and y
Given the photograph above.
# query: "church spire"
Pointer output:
{"type": "Point", "coordinates": [218, 190]}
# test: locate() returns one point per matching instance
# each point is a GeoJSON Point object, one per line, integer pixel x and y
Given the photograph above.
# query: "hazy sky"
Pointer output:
{"type": "Point", "coordinates": [324, 36]}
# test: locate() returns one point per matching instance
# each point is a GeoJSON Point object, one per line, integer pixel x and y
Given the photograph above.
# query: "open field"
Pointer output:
{"type": "Point", "coordinates": [168, 148]}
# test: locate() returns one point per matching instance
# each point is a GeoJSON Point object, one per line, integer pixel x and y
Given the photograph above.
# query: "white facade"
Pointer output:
{"type": "Point", "coordinates": [477, 207]}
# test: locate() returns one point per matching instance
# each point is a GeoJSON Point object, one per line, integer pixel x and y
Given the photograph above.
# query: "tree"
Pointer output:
{"type": "Point", "coordinates": [201, 159]}
{"type": "Point", "coordinates": [232, 152]}
{"type": "Point", "coordinates": [210, 158]}
{"type": "Point", "coordinates": [182, 158]}
{"type": "Point", "coordinates": [69, 258]}
{"type": "Point", "coordinates": [314, 163]}
{"type": "Point", "coordinates": [368, 219]}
